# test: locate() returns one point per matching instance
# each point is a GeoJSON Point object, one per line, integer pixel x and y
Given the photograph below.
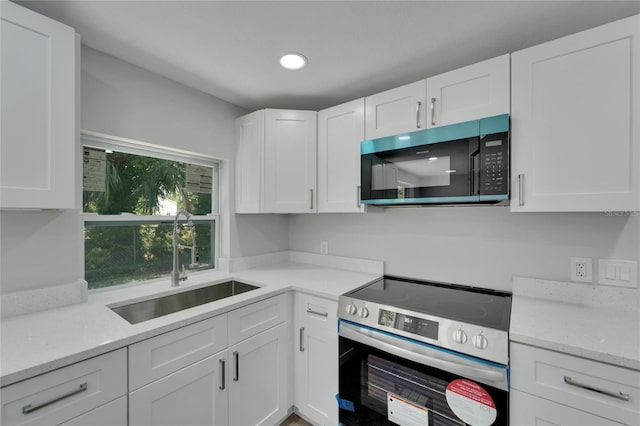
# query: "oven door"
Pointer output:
{"type": "Point", "coordinates": [391, 380]}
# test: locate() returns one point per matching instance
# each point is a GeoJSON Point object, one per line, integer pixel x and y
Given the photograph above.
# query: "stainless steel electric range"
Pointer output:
{"type": "Point", "coordinates": [423, 353]}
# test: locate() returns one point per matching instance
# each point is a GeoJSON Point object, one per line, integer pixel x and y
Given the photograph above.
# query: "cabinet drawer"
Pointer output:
{"type": "Point", "coordinates": [601, 389]}
{"type": "Point", "coordinates": [529, 410]}
{"type": "Point", "coordinates": [154, 358]}
{"type": "Point", "coordinates": [111, 414]}
{"type": "Point", "coordinates": [63, 394]}
{"type": "Point", "coordinates": [316, 311]}
{"type": "Point", "coordinates": [253, 319]}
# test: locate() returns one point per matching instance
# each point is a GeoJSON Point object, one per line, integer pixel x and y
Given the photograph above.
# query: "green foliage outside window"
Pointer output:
{"type": "Point", "coordinates": [119, 251]}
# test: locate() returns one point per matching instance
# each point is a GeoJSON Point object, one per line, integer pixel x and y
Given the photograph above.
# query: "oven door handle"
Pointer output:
{"type": "Point", "coordinates": [487, 374]}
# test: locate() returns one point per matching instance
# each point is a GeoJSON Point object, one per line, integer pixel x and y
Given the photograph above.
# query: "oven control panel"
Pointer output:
{"type": "Point", "coordinates": [470, 339]}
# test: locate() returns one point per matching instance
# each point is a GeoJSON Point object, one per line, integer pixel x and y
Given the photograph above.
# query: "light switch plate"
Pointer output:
{"type": "Point", "coordinates": [621, 273]}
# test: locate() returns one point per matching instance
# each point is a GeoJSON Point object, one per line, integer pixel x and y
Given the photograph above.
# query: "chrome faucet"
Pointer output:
{"type": "Point", "coordinates": [176, 274]}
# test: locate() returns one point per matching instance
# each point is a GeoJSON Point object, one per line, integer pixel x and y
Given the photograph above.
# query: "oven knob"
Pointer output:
{"type": "Point", "coordinates": [351, 309]}
{"type": "Point", "coordinates": [364, 312]}
{"type": "Point", "coordinates": [460, 336]}
{"type": "Point", "coordinates": [480, 342]}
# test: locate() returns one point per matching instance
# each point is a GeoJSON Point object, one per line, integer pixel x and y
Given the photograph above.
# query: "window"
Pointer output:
{"type": "Point", "coordinates": [130, 196]}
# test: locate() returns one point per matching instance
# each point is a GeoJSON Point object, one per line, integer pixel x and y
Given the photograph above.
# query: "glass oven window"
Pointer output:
{"type": "Point", "coordinates": [370, 377]}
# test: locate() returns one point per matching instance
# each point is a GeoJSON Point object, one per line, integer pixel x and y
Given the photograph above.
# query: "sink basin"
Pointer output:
{"type": "Point", "coordinates": [154, 308]}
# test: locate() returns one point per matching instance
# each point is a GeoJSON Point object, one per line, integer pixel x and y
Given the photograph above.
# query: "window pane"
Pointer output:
{"type": "Point", "coordinates": [116, 182]}
{"type": "Point", "coordinates": [116, 253]}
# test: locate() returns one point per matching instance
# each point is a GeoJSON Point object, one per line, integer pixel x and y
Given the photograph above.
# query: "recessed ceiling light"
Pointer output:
{"type": "Point", "coordinates": [293, 61]}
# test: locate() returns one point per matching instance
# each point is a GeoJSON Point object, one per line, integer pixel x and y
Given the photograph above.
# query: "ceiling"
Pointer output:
{"type": "Point", "coordinates": [230, 49]}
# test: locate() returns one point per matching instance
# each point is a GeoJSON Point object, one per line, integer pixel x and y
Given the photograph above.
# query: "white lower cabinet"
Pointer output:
{"type": "Point", "coordinates": [189, 397]}
{"type": "Point", "coordinates": [70, 393]}
{"type": "Point", "coordinates": [111, 414]}
{"type": "Point", "coordinates": [529, 410]}
{"type": "Point", "coordinates": [191, 376]}
{"type": "Point", "coordinates": [259, 377]}
{"type": "Point", "coordinates": [549, 387]}
{"type": "Point", "coordinates": [316, 359]}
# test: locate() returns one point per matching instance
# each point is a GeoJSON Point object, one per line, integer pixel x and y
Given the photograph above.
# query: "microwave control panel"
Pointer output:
{"type": "Point", "coordinates": [494, 160]}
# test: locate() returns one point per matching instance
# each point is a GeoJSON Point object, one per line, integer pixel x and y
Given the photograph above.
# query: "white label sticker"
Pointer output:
{"type": "Point", "coordinates": [94, 170]}
{"type": "Point", "coordinates": [404, 413]}
{"type": "Point", "coordinates": [471, 403]}
{"type": "Point", "coordinates": [199, 179]}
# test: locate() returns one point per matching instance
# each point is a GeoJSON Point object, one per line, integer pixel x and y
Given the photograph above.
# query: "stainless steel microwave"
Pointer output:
{"type": "Point", "coordinates": [460, 163]}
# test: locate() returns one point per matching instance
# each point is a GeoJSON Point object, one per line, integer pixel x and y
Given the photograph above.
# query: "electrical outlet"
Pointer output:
{"type": "Point", "coordinates": [324, 247]}
{"type": "Point", "coordinates": [582, 269]}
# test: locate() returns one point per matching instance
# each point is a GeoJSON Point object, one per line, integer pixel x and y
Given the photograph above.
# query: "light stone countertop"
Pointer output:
{"type": "Point", "coordinates": [36, 343]}
{"type": "Point", "coordinates": [590, 321]}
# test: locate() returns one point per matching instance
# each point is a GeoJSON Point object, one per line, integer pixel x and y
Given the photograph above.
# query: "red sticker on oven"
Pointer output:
{"type": "Point", "coordinates": [471, 403]}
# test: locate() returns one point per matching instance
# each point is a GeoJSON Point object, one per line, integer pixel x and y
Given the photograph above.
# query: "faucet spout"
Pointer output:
{"type": "Point", "coordinates": [176, 275]}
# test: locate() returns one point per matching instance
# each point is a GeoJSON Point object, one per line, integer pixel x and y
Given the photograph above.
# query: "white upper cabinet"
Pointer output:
{"type": "Point", "coordinates": [290, 161]}
{"type": "Point", "coordinates": [340, 131]}
{"type": "Point", "coordinates": [470, 93]}
{"type": "Point", "coordinates": [394, 111]}
{"type": "Point", "coordinates": [38, 128]}
{"type": "Point", "coordinates": [575, 122]}
{"type": "Point", "coordinates": [249, 146]}
{"type": "Point", "coordinates": [276, 162]}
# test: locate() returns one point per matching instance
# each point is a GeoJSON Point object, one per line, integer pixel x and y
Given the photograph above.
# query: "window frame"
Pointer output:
{"type": "Point", "coordinates": [101, 141]}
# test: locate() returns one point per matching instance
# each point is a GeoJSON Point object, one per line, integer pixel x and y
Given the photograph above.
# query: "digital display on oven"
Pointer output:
{"type": "Point", "coordinates": [409, 324]}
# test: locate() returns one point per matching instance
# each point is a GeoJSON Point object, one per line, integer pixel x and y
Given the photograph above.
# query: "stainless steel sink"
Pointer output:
{"type": "Point", "coordinates": [154, 308]}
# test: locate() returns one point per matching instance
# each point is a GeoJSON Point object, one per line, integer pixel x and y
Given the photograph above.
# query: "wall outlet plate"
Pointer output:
{"type": "Point", "coordinates": [620, 273]}
{"type": "Point", "coordinates": [582, 269]}
{"type": "Point", "coordinates": [324, 247]}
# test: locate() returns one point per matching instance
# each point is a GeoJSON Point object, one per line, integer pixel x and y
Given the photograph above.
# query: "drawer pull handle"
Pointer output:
{"type": "Point", "coordinates": [322, 314]}
{"type": "Point", "coordinates": [31, 408]}
{"type": "Point", "coordinates": [620, 395]}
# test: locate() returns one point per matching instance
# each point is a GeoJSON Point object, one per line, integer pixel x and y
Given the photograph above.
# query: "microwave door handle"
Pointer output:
{"type": "Point", "coordinates": [474, 173]}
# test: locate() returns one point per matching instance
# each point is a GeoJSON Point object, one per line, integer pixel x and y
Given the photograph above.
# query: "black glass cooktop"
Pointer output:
{"type": "Point", "coordinates": [487, 308]}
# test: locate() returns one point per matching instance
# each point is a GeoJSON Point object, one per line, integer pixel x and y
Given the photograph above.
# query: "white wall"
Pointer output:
{"type": "Point", "coordinates": [482, 246]}
{"type": "Point", "coordinates": [41, 249]}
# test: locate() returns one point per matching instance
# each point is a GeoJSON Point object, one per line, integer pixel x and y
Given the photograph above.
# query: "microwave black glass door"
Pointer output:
{"type": "Point", "coordinates": [442, 169]}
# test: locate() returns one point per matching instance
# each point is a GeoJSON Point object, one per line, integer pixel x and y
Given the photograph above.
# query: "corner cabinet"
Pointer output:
{"type": "Point", "coordinates": [470, 93]}
{"type": "Point", "coordinates": [576, 122]}
{"type": "Point", "coordinates": [39, 136]}
{"type": "Point", "coordinates": [315, 360]}
{"type": "Point", "coordinates": [340, 131]}
{"type": "Point", "coordinates": [276, 162]}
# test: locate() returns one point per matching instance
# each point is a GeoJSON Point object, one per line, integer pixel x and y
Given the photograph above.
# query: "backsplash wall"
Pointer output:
{"type": "Point", "coordinates": [481, 246]}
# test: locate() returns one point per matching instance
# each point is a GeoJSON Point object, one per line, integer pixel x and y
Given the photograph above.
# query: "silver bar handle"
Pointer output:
{"type": "Point", "coordinates": [222, 378]}
{"type": "Point", "coordinates": [29, 408]}
{"type": "Point", "coordinates": [322, 314]}
{"type": "Point", "coordinates": [418, 105]}
{"type": "Point", "coordinates": [236, 360]}
{"type": "Point", "coordinates": [433, 111]}
{"type": "Point", "coordinates": [620, 395]}
{"type": "Point", "coordinates": [311, 199]}
{"type": "Point", "coordinates": [521, 189]}
{"type": "Point", "coordinates": [358, 196]}
{"type": "Point", "coordinates": [301, 339]}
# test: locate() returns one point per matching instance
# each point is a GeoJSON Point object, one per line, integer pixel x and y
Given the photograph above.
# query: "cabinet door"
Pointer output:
{"type": "Point", "coordinates": [196, 395]}
{"type": "Point", "coordinates": [316, 359]}
{"type": "Point", "coordinates": [525, 409]}
{"type": "Point", "coordinates": [470, 93]}
{"type": "Point", "coordinates": [395, 111]}
{"type": "Point", "coordinates": [38, 129]}
{"type": "Point", "coordinates": [259, 377]}
{"type": "Point", "coordinates": [111, 414]}
{"type": "Point", "coordinates": [340, 131]}
{"type": "Point", "coordinates": [249, 151]}
{"type": "Point", "coordinates": [575, 122]}
{"type": "Point", "coordinates": [290, 161]}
